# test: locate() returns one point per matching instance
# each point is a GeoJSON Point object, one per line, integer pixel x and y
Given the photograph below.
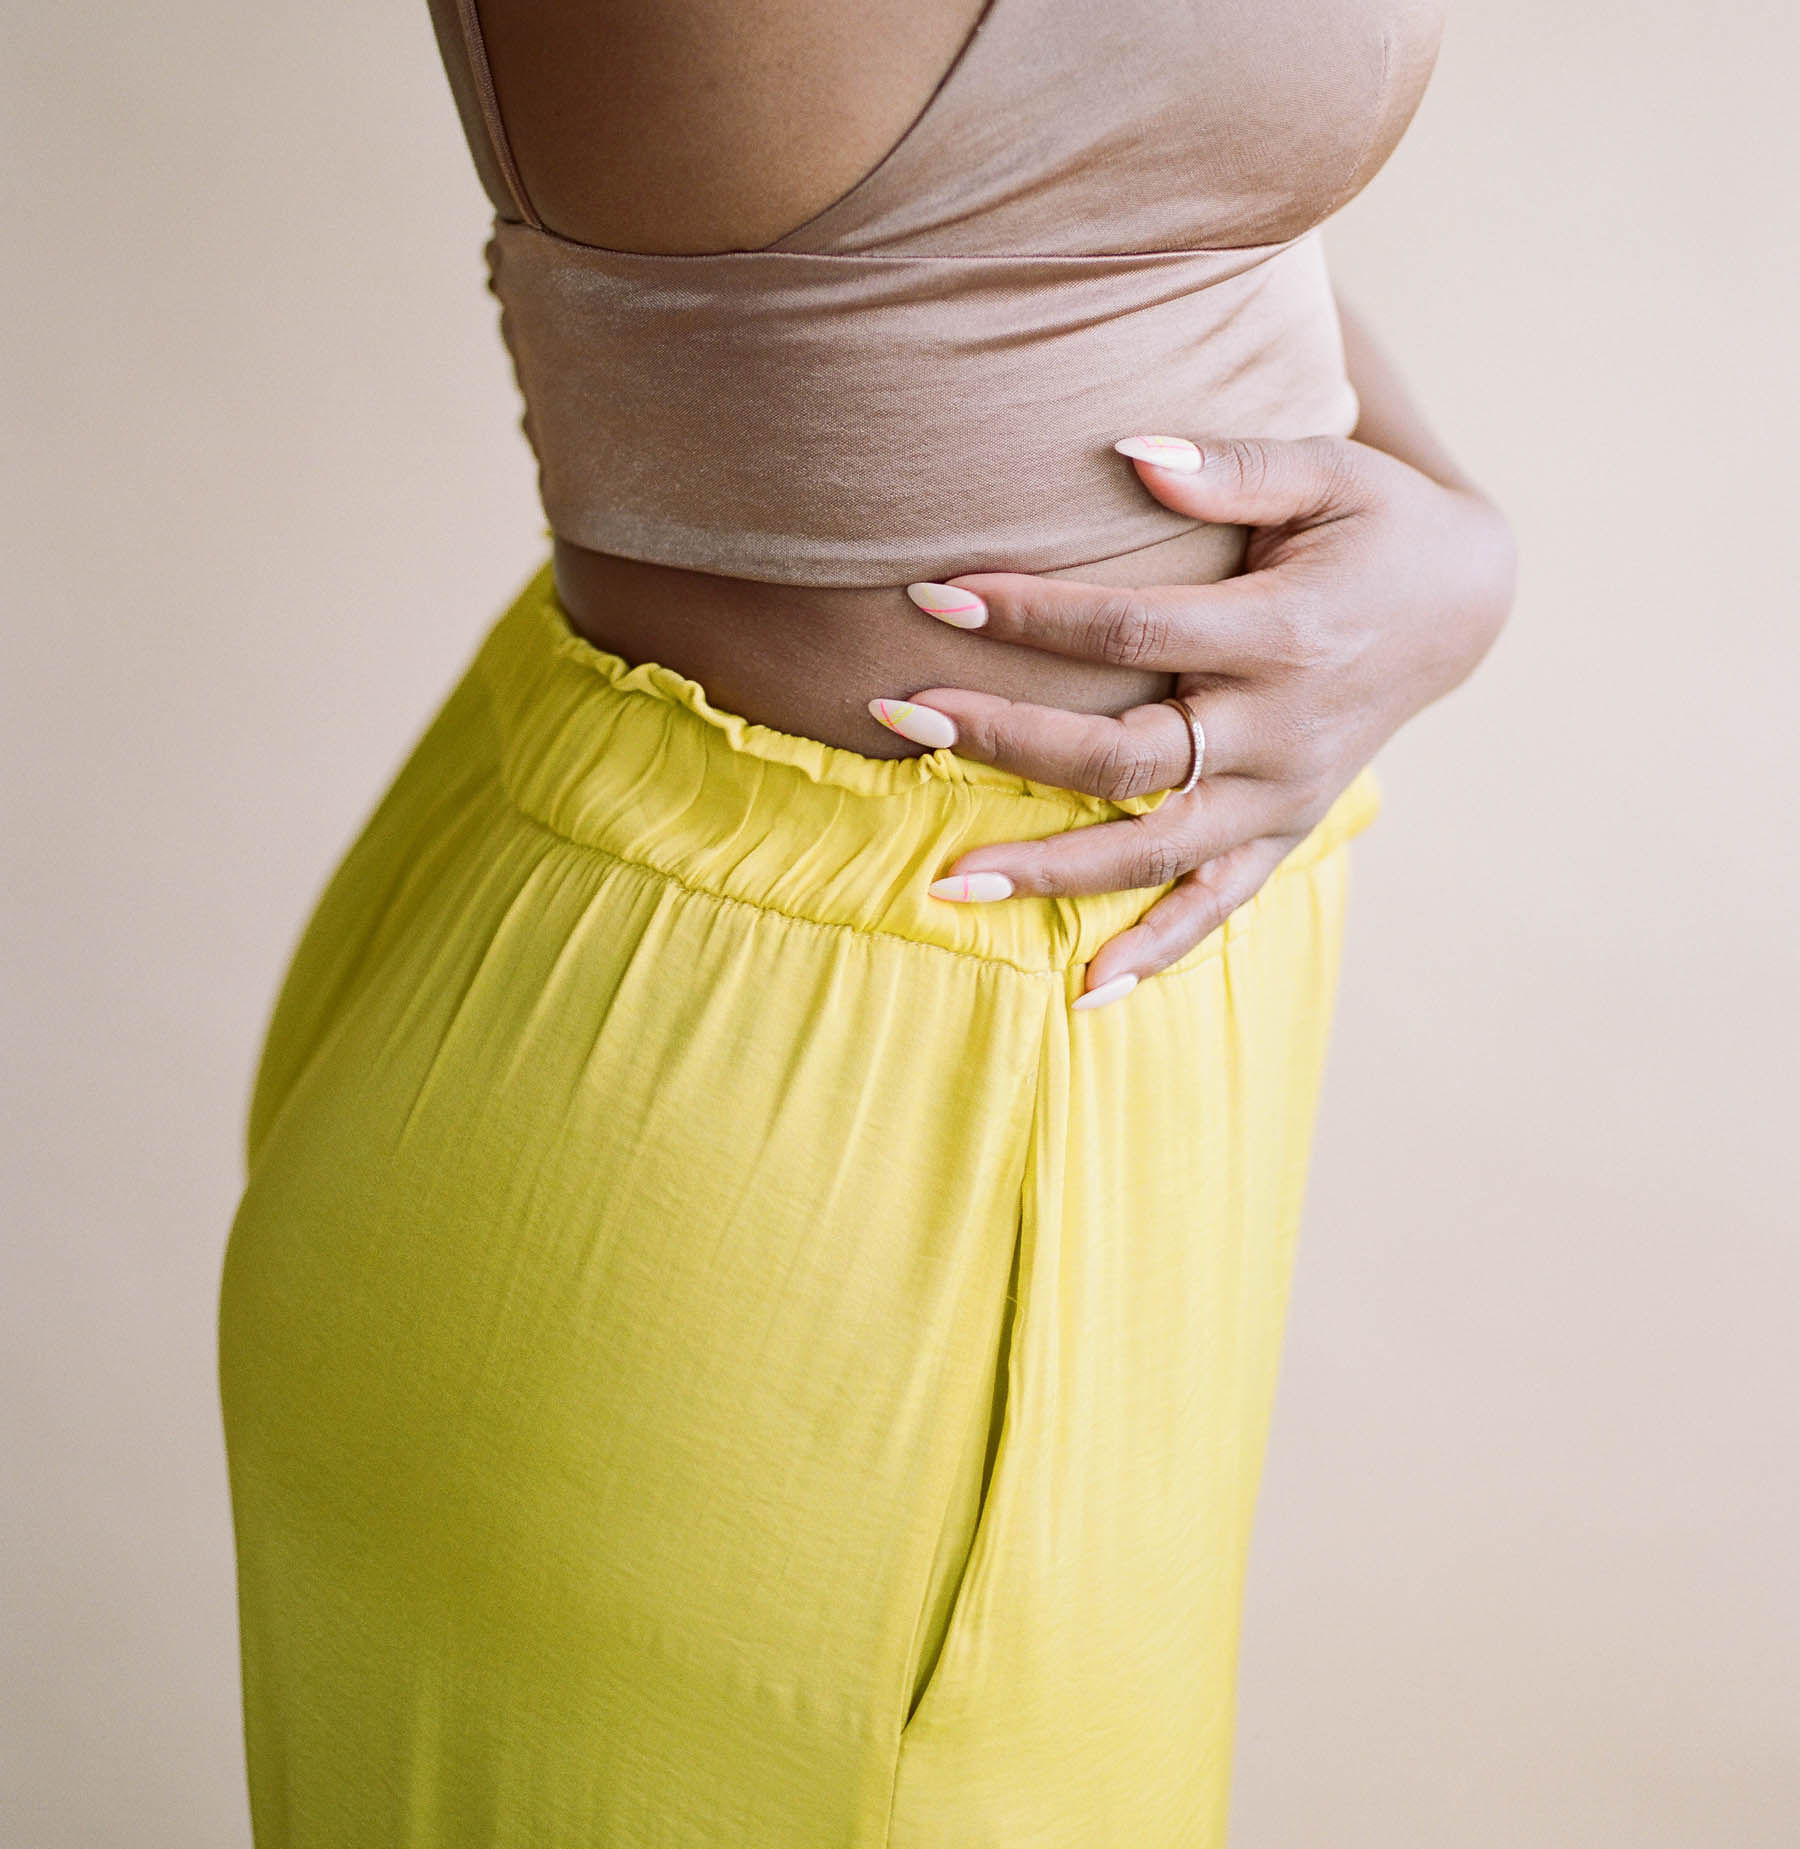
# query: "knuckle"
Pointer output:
{"type": "Point", "coordinates": [1117, 767]}
{"type": "Point", "coordinates": [1160, 858]}
{"type": "Point", "coordinates": [1031, 872]}
{"type": "Point", "coordinates": [1178, 922]}
{"type": "Point", "coordinates": [1129, 632]}
{"type": "Point", "coordinates": [1012, 736]}
{"type": "Point", "coordinates": [1218, 909]}
{"type": "Point", "coordinates": [1300, 638]}
{"type": "Point", "coordinates": [1005, 734]}
{"type": "Point", "coordinates": [1334, 462]}
{"type": "Point", "coordinates": [1249, 464]}
{"type": "Point", "coordinates": [1211, 911]}
{"type": "Point", "coordinates": [981, 735]}
{"type": "Point", "coordinates": [1026, 611]}
{"type": "Point", "coordinates": [1168, 947]}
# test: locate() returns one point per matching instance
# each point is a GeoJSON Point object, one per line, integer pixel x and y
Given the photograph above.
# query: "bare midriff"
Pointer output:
{"type": "Point", "coordinates": [808, 660]}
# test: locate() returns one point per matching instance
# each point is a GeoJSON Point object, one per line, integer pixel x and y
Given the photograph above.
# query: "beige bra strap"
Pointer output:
{"type": "Point", "coordinates": [475, 50]}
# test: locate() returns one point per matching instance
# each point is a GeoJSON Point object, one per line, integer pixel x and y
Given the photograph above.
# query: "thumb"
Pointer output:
{"type": "Point", "coordinates": [1251, 481]}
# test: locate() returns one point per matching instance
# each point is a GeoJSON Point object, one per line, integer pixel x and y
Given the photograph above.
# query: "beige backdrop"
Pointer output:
{"type": "Point", "coordinates": [1525, 1563]}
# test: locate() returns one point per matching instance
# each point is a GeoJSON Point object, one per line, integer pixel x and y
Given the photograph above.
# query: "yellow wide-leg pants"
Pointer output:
{"type": "Point", "coordinates": [712, 1350]}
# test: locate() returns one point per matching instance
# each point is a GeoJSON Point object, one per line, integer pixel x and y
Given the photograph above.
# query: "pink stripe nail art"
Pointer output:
{"type": "Point", "coordinates": [961, 609]}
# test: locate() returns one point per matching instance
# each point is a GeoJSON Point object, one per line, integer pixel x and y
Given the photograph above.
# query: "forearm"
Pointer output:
{"type": "Point", "coordinates": [1390, 420]}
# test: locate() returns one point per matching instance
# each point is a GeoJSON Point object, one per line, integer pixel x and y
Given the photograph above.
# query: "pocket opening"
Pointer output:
{"type": "Point", "coordinates": [945, 1596]}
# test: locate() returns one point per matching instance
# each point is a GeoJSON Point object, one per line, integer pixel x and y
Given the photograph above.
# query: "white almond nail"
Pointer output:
{"type": "Point", "coordinates": [971, 886]}
{"type": "Point", "coordinates": [1166, 452]}
{"type": "Point", "coordinates": [963, 609]}
{"type": "Point", "coordinates": [1107, 992]}
{"type": "Point", "coordinates": [924, 725]}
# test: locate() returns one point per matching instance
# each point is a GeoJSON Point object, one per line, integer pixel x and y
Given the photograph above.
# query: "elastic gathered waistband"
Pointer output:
{"type": "Point", "coordinates": [633, 761]}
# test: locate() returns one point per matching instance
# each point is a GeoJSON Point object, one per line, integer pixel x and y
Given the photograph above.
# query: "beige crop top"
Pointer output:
{"type": "Point", "coordinates": [1103, 223]}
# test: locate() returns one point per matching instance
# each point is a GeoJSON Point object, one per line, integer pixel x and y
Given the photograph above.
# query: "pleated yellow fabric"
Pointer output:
{"type": "Point", "coordinates": [712, 1350]}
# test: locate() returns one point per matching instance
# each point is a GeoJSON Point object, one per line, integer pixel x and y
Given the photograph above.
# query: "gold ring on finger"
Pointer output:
{"type": "Point", "coordinates": [1197, 734]}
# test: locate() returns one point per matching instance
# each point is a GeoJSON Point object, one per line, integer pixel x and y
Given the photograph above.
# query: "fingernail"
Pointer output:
{"type": "Point", "coordinates": [962, 609]}
{"type": "Point", "coordinates": [1107, 992]}
{"type": "Point", "coordinates": [971, 886]}
{"type": "Point", "coordinates": [1166, 452]}
{"type": "Point", "coordinates": [924, 725]}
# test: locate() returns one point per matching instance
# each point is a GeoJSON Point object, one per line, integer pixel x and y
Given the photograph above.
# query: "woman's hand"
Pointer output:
{"type": "Point", "coordinates": [1369, 591]}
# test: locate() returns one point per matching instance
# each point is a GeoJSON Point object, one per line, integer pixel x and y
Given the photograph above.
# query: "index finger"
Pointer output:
{"type": "Point", "coordinates": [1226, 628]}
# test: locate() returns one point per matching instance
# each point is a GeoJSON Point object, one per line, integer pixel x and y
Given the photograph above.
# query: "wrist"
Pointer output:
{"type": "Point", "coordinates": [1491, 554]}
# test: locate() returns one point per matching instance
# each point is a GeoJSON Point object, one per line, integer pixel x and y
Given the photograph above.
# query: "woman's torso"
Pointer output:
{"type": "Point", "coordinates": [698, 126]}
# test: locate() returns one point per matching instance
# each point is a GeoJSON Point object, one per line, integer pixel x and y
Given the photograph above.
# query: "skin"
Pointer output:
{"type": "Point", "coordinates": [1373, 586]}
{"type": "Point", "coordinates": [1336, 588]}
{"type": "Point", "coordinates": [707, 125]}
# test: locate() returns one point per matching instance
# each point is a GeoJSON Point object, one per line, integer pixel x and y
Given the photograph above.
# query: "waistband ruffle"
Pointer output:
{"type": "Point", "coordinates": [634, 761]}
